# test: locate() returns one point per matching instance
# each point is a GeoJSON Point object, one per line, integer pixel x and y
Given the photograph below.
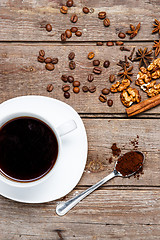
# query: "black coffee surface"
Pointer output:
{"type": "Point", "coordinates": [28, 149]}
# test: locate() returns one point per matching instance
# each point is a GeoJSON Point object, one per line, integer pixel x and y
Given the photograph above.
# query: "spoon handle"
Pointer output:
{"type": "Point", "coordinates": [64, 207]}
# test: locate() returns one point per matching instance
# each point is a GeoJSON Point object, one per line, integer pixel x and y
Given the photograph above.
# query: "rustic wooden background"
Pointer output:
{"type": "Point", "coordinates": [122, 208]}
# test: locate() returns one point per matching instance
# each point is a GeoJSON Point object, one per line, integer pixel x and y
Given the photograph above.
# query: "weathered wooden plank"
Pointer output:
{"type": "Point", "coordinates": [22, 74]}
{"type": "Point", "coordinates": [26, 20]}
{"type": "Point", "coordinates": [125, 214]}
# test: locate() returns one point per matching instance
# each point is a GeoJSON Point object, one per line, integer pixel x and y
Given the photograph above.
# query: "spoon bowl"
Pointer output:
{"type": "Point", "coordinates": [64, 207]}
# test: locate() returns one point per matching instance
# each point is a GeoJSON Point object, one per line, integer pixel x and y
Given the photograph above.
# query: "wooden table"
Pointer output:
{"type": "Point", "coordinates": [122, 208]}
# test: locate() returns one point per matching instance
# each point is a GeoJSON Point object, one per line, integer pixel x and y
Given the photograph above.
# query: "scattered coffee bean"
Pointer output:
{"type": "Point", "coordinates": [119, 43]}
{"type": "Point", "coordinates": [69, 3]}
{"type": "Point", "coordinates": [90, 77]}
{"type": "Point", "coordinates": [63, 37]}
{"type": "Point", "coordinates": [105, 91]}
{"type": "Point", "coordinates": [70, 79]}
{"type": "Point", "coordinates": [85, 89]}
{"type": "Point", "coordinates": [109, 43]}
{"type": "Point", "coordinates": [96, 62]}
{"type": "Point", "coordinates": [76, 84]}
{"type": "Point", "coordinates": [74, 29]}
{"type": "Point", "coordinates": [112, 78]}
{"type": "Point", "coordinates": [97, 70]}
{"type": "Point", "coordinates": [50, 87]}
{"type": "Point", "coordinates": [99, 43]}
{"type": "Point", "coordinates": [49, 27]}
{"type": "Point", "coordinates": [68, 33]}
{"type": "Point", "coordinates": [121, 35]}
{"type": "Point", "coordinates": [40, 59]}
{"type": "Point", "coordinates": [65, 88]}
{"type": "Point", "coordinates": [78, 33]}
{"type": "Point", "coordinates": [48, 60]}
{"type": "Point", "coordinates": [124, 49]}
{"type": "Point", "coordinates": [55, 60]}
{"type": "Point", "coordinates": [64, 78]}
{"type": "Point", "coordinates": [92, 89]}
{"type": "Point", "coordinates": [71, 55]}
{"type": "Point", "coordinates": [72, 65]}
{"type": "Point", "coordinates": [102, 98]}
{"type": "Point", "coordinates": [74, 18]}
{"type": "Point", "coordinates": [110, 102]}
{"type": "Point", "coordinates": [90, 55]}
{"type": "Point", "coordinates": [106, 64]}
{"type": "Point", "coordinates": [101, 15]}
{"type": "Point", "coordinates": [106, 22]}
{"type": "Point", "coordinates": [49, 66]}
{"type": "Point", "coordinates": [76, 89]}
{"type": "Point", "coordinates": [64, 9]}
{"type": "Point", "coordinates": [66, 94]}
{"type": "Point", "coordinates": [41, 53]}
{"type": "Point", "coordinates": [86, 10]}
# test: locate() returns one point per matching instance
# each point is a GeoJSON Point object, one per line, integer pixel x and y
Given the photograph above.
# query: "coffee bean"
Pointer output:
{"type": "Point", "coordinates": [70, 79]}
{"type": "Point", "coordinates": [64, 9]}
{"type": "Point", "coordinates": [96, 62]}
{"type": "Point", "coordinates": [49, 27]}
{"type": "Point", "coordinates": [121, 35]}
{"type": "Point", "coordinates": [101, 15]}
{"type": "Point", "coordinates": [50, 88]}
{"type": "Point", "coordinates": [112, 78]}
{"type": "Point", "coordinates": [74, 29]}
{"type": "Point", "coordinates": [55, 60]}
{"type": "Point", "coordinates": [41, 53]}
{"type": "Point", "coordinates": [66, 94]}
{"type": "Point", "coordinates": [99, 43]}
{"type": "Point", "coordinates": [86, 10]}
{"type": "Point", "coordinates": [85, 89]}
{"type": "Point", "coordinates": [91, 55]}
{"type": "Point", "coordinates": [109, 43]}
{"type": "Point", "coordinates": [76, 90]}
{"type": "Point", "coordinates": [119, 43]}
{"type": "Point", "coordinates": [40, 59]}
{"type": "Point", "coordinates": [97, 70]}
{"type": "Point", "coordinates": [106, 64]}
{"type": "Point", "coordinates": [49, 66]}
{"type": "Point", "coordinates": [69, 3]}
{"type": "Point", "coordinates": [102, 98]}
{"type": "Point", "coordinates": [78, 33]}
{"type": "Point", "coordinates": [110, 102]}
{"type": "Point", "coordinates": [74, 18]}
{"type": "Point", "coordinates": [72, 65]}
{"type": "Point", "coordinates": [106, 22]}
{"type": "Point", "coordinates": [64, 78]}
{"type": "Point", "coordinates": [105, 91]}
{"type": "Point", "coordinates": [76, 84]}
{"type": "Point", "coordinates": [92, 89]}
{"type": "Point", "coordinates": [63, 37]}
{"type": "Point", "coordinates": [68, 33]}
{"type": "Point", "coordinates": [48, 60]}
{"type": "Point", "coordinates": [71, 55]}
{"type": "Point", "coordinates": [65, 88]}
{"type": "Point", "coordinates": [90, 77]}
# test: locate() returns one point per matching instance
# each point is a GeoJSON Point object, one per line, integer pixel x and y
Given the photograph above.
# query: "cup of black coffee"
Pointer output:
{"type": "Point", "coordinates": [30, 147]}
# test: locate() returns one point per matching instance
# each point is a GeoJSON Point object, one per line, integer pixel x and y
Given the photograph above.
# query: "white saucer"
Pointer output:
{"type": "Point", "coordinates": [74, 153]}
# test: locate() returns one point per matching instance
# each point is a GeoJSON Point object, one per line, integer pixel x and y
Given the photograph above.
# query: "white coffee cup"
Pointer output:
{"type": "Point", "coordinates": [59, 131]}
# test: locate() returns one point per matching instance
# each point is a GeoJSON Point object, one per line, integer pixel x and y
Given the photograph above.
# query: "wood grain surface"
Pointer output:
{"type": "Point", "coordinates": [122, 209]}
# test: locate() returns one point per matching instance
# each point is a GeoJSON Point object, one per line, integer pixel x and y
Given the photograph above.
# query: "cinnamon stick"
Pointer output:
{"type": "Point", "coordinates": [143, 106]}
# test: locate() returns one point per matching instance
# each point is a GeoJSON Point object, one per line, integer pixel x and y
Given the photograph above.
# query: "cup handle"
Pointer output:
{"type": "Point", "coordinates": [66, 127]}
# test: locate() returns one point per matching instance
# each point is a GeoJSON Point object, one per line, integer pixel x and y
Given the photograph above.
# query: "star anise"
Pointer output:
{"type": "Point", "coordinates": [143, 56]}
{"type": "Point", "coordinates": [157, 47]}
{"type": "Point", "coordinates": [126, 70]}
{"type": "Point", "coordinates": [156, 26]}
{"type": "Point", "coordinates": [133, 32]}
